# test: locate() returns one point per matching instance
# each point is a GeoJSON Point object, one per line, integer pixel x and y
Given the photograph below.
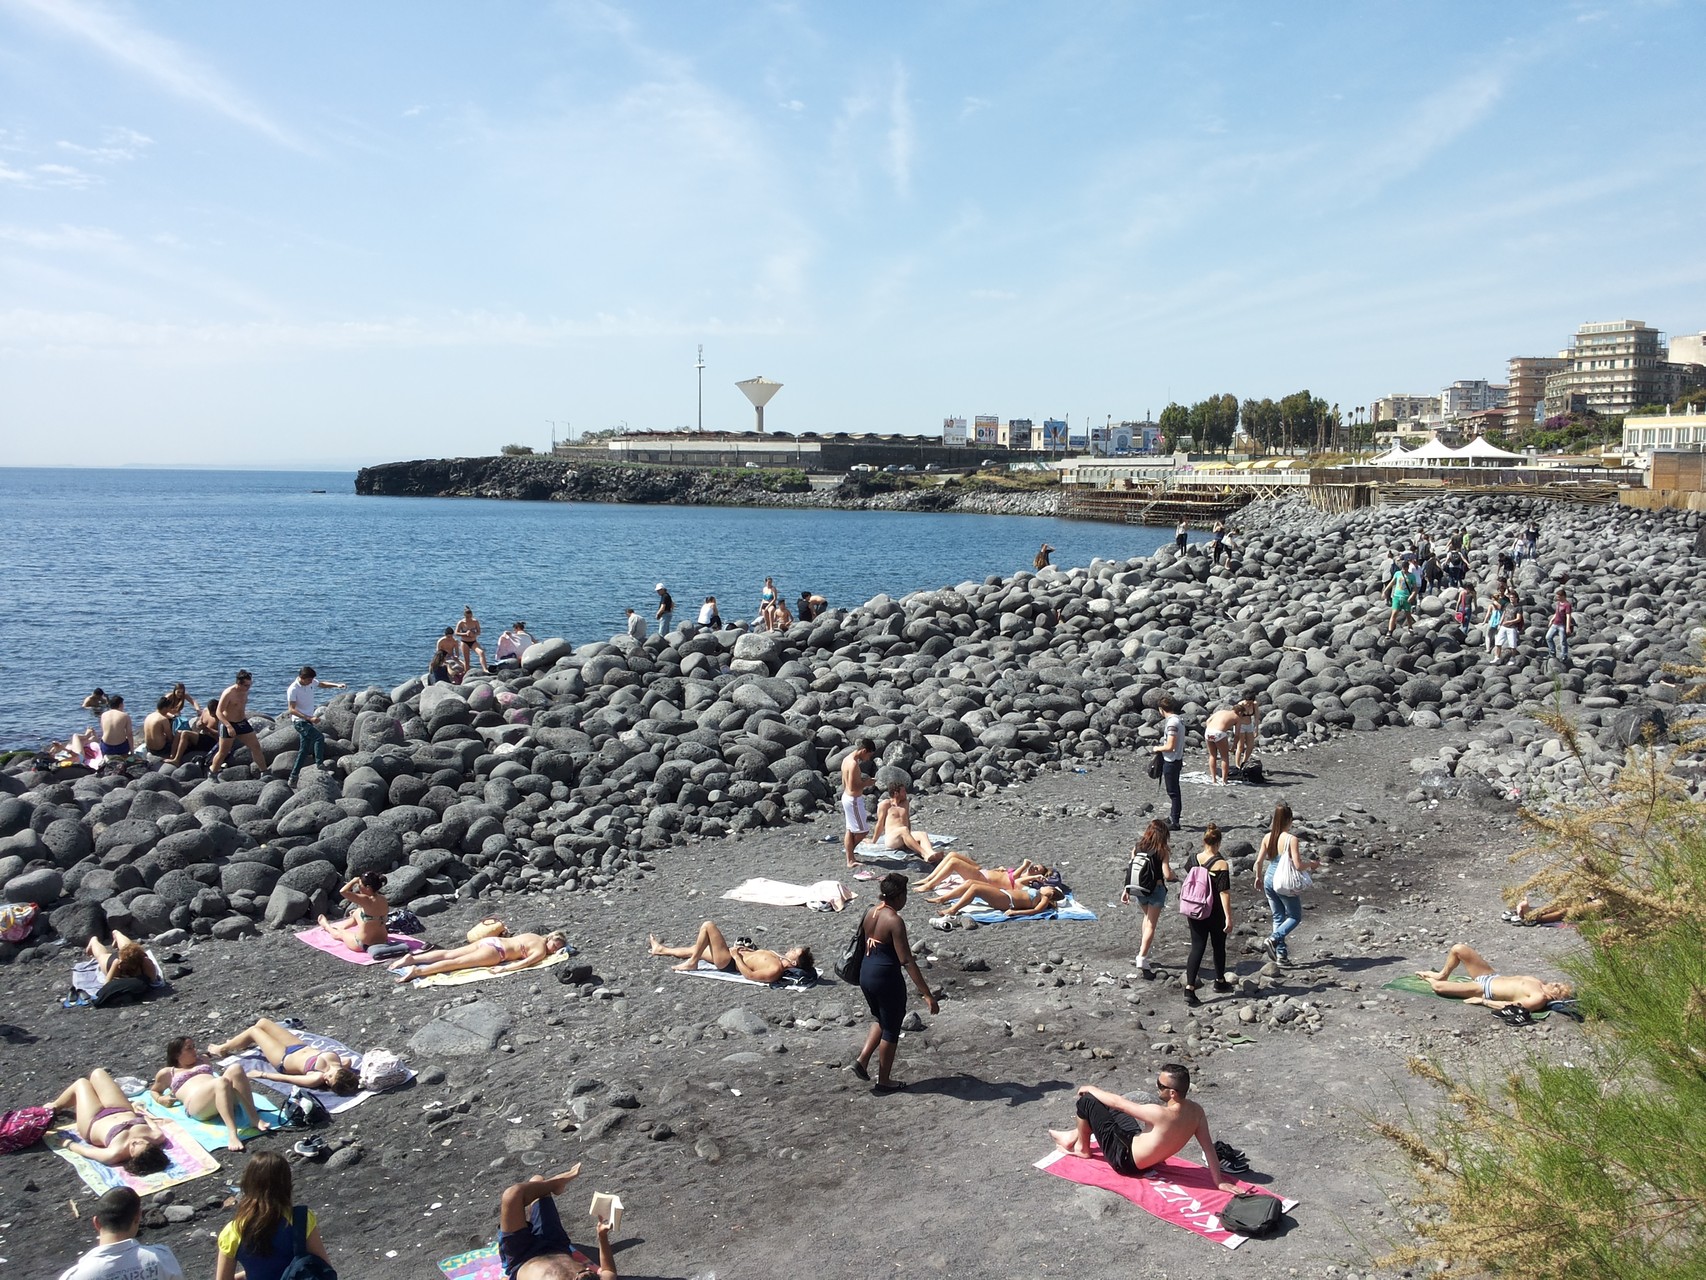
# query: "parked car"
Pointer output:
{"type": "Point", "coordinates": [909, 467]}
{"type": "Point", "coordinates": [860, 466]}
{"type": "Point", "coordinates": [891, 469]}
{"type": "Point", "coordinates": [933, 466]}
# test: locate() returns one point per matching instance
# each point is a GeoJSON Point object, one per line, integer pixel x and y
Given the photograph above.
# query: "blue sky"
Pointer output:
{"type": "Point", "coordinates": [334, 234]}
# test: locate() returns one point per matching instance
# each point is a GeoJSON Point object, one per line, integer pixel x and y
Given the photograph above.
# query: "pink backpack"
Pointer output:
{"type": "Point", "coordinates": [1196, 898]}
{"type": "Point", "coordinates": [23, 1128]}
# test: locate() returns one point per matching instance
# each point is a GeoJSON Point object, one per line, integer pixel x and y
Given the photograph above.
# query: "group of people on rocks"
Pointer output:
{"type": "Point", "coordinates": [456, 651]}
{"type": "Point", "coordinates": [774, 613]}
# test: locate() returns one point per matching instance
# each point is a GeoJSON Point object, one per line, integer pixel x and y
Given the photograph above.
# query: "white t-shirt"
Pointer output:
{"type": "Point", "coordinates": [1170, 726]}
{"type": "Point", "coordinates": [301, 697]}
{"type": "Point", "coordinates": [125, 1260]}
{"type": "Point", "coordinates": [637, 627]}
{"type": "Point", "coordinates": [707, 611]}
{"type": "Point", "coordinates": [512, 644]}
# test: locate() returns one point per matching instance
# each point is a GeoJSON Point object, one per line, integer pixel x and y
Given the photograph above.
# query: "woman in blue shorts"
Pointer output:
{"type": "Point", "coordinates": [1147, 878]}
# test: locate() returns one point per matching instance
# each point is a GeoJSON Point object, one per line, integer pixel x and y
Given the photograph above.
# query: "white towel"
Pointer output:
{"type": "Point", "coordinates": [825, 895]}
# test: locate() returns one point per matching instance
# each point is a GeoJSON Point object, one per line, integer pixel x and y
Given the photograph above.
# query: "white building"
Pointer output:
{"type": "Point", "coordinates": [1690, 348]}
{"type": "Point", "coordinates": [1471, 395]}
{"type": "Point", "coordinates": [1643, 434]}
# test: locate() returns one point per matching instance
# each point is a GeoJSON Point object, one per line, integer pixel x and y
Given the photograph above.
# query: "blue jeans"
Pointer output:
{"type": "Point", "coordinates": [1561, 650]}
{"type": "Point", "coordinates": [309, 741]}
{"type": "Point", "coordinates": [1286, 909]}
{"type": "Point", "coordinates": [1170, 770]}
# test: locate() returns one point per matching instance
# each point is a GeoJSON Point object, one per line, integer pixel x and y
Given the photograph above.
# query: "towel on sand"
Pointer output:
{"type": "Point", "coordinates": [255, 1060]}
{"type": "Point", "coordinates": [825, 895]}
{"type": "Point", "coordinates": [1175, 1191]}
{"type": "Point", "coordinates": [320, 940]}
{"type": "Point", "coordinates": [483, 1264]}
{"type": "Point", "coordinates": [211, 1133]}
{"type": "Point", "coordinates": [708, 970]}
{"type": "Point", "coordinates": [189, 1161]}
{"type": "Point", "coordinates": [873, 851]}
{"type": "Point", "coordinates": [87, 979]}
{"type": "Point", "coordinates": [458, 977]}
{"type": "Point", "coordinates": [1069, 909]}
{"type": "Point", "coordinates": [1411, 985]}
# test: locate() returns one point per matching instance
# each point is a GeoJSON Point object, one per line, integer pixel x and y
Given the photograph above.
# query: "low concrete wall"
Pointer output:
{"type": "Point", "coordinates": [1663, 499]}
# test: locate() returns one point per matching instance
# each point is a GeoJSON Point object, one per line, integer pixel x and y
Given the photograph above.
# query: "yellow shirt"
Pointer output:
{"type": "Point", "coordinates": [229, 1240]}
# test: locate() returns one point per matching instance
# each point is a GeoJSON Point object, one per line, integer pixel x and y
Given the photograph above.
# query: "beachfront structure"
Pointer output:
{"type": "Point", "coordinates": [1642, 435]}
{"type": "Point", "coordinates": [1471, 395]}
{"type": "Point", "coordinates": [1618, 366]}
{"type": "Point", "coordinates": [954, 433]}
{"type": "Point", "coordinates": [1398, 407]}
{"type": "Point", "coordinates": [812, 451]}
{"type": "Point", "coordinates": [1526, 402]}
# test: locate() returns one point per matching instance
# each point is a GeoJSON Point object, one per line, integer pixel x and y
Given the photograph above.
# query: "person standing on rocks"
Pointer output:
{"type": "Point", "coordinates": [1148, 874]}
{"type": "Point", "coordinates": [1217, 735]}
{"type": "Point", "coordinates": [235, 730]}
{"type": "Point", "coordinates": [1511, 622]}
{"type": "Point", "coordinates": [1042, 560]}
{"type": "Point", "coordinates": [1562, 627]}
{"type": "Point", "coordinates": [1406, 584]}
{"type": "Point", "coordinates": [1285, 908]}
{"type": "Point", "coordinates": [468, 636]}
{"type": "Point", "coordinates": [1118, 1125]}
{"type": "Point", "coordinates": [888, 957]}
{"type": "Point", "coordinates": [119, 1256]}
{"type": "Point", "coordinates": [853, 784]}
{"type": "Point", "coordinates": [1181, 533]}
{"type": "Point", "coordinates": [1172, 753]}
{"type": "Point", "coordinates": [1210, 931]}
{"type": "Point", "coordinates": [532, 1244]}
{"type": "Point", "coordinates": [1245, 734]}
{"type": "Point", "coordinates": [300, 709]}
{"type": "Point", "coordinates": [666, 609]}
{"type": "Point", "coordinates": [636, 625]}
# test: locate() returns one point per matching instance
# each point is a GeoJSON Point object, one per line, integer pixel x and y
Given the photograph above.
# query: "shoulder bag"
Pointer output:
{"type": "Point", "coordinates": [1289, 878]}
{"type": "Point", "coordinates": [852, 956]}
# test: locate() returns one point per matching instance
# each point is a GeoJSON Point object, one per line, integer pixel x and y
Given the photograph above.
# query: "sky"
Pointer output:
{"type": "Point", "coordinates": [331, 234]}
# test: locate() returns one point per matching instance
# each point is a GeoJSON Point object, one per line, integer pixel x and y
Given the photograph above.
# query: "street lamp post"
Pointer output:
{"type": "Point", "coordinates": [700, 366]}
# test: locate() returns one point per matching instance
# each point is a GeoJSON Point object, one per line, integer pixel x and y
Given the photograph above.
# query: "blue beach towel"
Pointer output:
{"type": "Point", "coordinates": [1071, 909]}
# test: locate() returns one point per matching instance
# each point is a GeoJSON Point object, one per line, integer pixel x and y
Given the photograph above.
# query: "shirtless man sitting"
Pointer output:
{"type": "Point", "coordinates": [532, 1244]}
{"type": "Point", "coordinates": [500, 955]}
{"type": "Point", "coordinates": [118, 732]}
{"type": "Point", "coordinates": [1494, 990]}
{"type": "Point", "coordinates": [234, 727]}
{"type": "Point", "coordinates": [853, 786]}
{"type": "Point", "coordinates": [201, 736]}
{"type": "Point", "coordinates": [894, 825]}
{"type": "Point", "coordinates": [1117, 1124]}
{"type": "Point", "coordinates": [157, 732]}
{"type": "Point", "coordinates": [190, 1079]}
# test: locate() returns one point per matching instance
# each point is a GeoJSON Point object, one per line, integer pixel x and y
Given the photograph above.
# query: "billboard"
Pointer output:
{"type": "Point", "coordinates": [1119, 439]}
{"type": "Point", "coordinates": [987, 427]}
{"type": "Point", "coordinates": [954, 432]}
{"type": "Point", "coordinates": [1098, 441]}
{"type": "Point", "coordinates": [1079, 444]}
{"type": "Point", "coordinates": [1054, 433]}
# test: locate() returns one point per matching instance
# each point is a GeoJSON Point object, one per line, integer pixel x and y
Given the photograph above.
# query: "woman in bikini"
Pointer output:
{"type": "Point", "coordinates": [957, 864]}
{"type": "Point", "coordinates": [296, 1063]}
{"type": "Point", "coordinates": [500, 955]}
{"type": "Point", "coordinates": [743, 958]}
{"type": "Point", "coordinates": [767, 605]}
{"type": "Point", "coordinates": [190, 1079]}
{"type": "Point", "coordinates": [1020, 900]}
{"type": "Point", "coordinates": [114, 1132]}
{"type": "Point", "coordinates": [124, 959]}
{"type": "Point", "coordinates": [364, 926]}
{"type": "Point", "coordinates": [1217, 734]}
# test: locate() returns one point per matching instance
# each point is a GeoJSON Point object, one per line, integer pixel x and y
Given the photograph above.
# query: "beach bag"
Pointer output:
{"type": "Point", "coordinates": [490, 927]}
{"type": "Point", "coordinates": [16, 920]}
{"type": "Point", "coordinates": [302, 1110]}
{"type": "Point", "coordinates": [23, 1128]}
{"type": "Point", "coordinates": [402, 920]}
{"type": "Point", "coordinates": [852, 956]}
{"type": "Point", "coordinates": [1250, 1213]}
{"type": "Point", "coordinates": [1290, 879]}
{"type": "Point", "coordinates": [1196, 898]}
{"type": "Point", "coordinates": [304, 1265]}
{"type": "Point", "coordinates": [381, 1070]}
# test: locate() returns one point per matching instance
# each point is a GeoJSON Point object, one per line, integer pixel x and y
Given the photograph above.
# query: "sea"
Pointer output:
{"type": "Point", "coordinates": [133, 579]}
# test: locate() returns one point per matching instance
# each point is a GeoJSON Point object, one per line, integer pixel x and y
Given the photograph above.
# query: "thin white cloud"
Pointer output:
{"type": "Point", "coordinates": [792, 104]}
{"type": "Point", "coordinates": [122, 40]}
{"type": "Point", "coordinates": [1437, 121]}
{"type": "Point", "coordinates": [117, 145]}
{"type": "Point", "coordinates": [902, 138]}
{"type": "Point", "coordinates": [38, 177]}
{"type": "Point", "coordinates": [415, 110]}
{"type": "Point", "coordinates": [970, 106]}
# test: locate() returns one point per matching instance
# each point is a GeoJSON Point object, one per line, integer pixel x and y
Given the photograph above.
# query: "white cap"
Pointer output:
{"type": "Point", "coordinates": [659, 587]}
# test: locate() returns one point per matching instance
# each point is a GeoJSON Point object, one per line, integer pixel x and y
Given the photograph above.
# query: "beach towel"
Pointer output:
{"type": "Point", "coordinates": [1070, 909]}
{"type": "Point", "coordinates": [1176, 1191]}
{"type": "Point", "coordinates": [461, 976]}
{"type": "Point", "coordinates": [708, 970]}
{"type": "Point", "coordinates": [210, 1134]}
{"type": "Point", "coordinates": [188, 1161]}
{"type": "Point", "coordinates": [255, 1060]}
{"type": "Point", "coordinates": [87, 979]}
{"type": "Point", "coordinates": [825, 895]}
{"type": "Point", "coordinates": [1411, 985]}
{"type": "Point", "coordinates": [483, 1264]}
{"type": "Point", "coordinates": [873, 851]}
{"type": "Point", "coordinates": [320, 940]}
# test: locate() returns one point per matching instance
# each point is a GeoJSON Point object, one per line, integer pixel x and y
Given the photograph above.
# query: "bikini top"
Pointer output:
{"type": "Point", "coordinates": [190, 1073]}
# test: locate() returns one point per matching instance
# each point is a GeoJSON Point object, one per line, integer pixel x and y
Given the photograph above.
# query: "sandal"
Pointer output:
{"type": "Point", "coordinates": [1514, 1015]}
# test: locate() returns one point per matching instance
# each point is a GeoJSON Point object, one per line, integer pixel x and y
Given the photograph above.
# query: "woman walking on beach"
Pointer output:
{"type": "Point", "coordinates": [260, 1239]}
{"type": "Point", "coordinates": [1286, 908]}
{"type": "Point", "coordinates": [1211, 930]}
{"type": "Point", "coordinates": [1147, 876]}
{"type": "Point", "coordinates": [1172, 753]}
{"type": "Point", "coordinates": [888, 957]}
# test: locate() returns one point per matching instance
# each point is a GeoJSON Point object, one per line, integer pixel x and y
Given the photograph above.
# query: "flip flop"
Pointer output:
{"type": "Point", "coordinates": [863, 874]}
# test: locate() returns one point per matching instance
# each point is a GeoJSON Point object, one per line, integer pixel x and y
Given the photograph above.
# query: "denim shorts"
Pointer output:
{"type": "Point", "coordinates": [1157, 897]}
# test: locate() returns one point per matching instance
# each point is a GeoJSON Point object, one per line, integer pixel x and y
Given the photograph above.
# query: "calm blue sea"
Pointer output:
{"type": "Point", "coordinates": [133, 579]}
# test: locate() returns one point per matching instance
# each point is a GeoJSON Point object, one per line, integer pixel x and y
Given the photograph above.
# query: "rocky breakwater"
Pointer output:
{"type": "Point", "coordinates": [589, 766]}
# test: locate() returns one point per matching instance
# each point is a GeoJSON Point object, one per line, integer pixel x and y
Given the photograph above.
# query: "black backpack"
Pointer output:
{"type": "Point", "coordinates": [852, 956]}
{"type": "Point", "coordinates": [1148, 873]}
{"type": "Point", "coordinates": [1250, 1213]}
{"type": "Point", "coordinates": [304, 1265]}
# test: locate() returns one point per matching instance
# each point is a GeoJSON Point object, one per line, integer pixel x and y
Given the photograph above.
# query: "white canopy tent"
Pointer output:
{"type": "Point", "coordinates": [1479, 450]}
{"type": "Point", "coordinates": [1393, 457]}
{"type": "Point", "coordinates": [1433, 452]}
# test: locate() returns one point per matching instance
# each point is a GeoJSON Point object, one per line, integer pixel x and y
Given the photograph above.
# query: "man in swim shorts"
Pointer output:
{"type": "Point", "coordinates": [1118, 1125]}
{"type": "Point", "coordinates": [532, 1244]}
{"type": "Point", "coordinates": [853, 795]}
{"type": "Point", "coordinates": [234, 727]}
{"type": "Point", "coordinates": [1495, 990]}
{"type": "Point", "coordinates": [893, 826]}
{"type": "Point", "coordinates": [500, 955]}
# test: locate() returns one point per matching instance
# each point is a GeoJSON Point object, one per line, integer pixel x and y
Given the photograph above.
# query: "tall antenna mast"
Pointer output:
{"type": "Point", "coordinates": [701, 367]}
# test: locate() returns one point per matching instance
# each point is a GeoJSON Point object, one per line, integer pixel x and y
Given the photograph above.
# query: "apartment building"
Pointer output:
{"type": "Point", "coordinates": [1471, 395]}
{"type": "Point", "coordinates": [1526, 402]}
{"type": "Point", "coordinates": [1403, 408]}
{"type": "Point", "coordinates": [1615, 367]}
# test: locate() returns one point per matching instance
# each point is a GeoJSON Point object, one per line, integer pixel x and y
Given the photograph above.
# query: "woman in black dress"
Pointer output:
{"type": "Point", "coordinates": [887, 955]}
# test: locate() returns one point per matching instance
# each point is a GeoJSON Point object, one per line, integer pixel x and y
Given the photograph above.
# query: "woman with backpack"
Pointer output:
{"type": "Point", "coordinates": [261, 1237]}
{"type": "Point", "coordinates": [1278, 846]}
{"type": "Point", "coordinates": [1206, 904]}
{"type": "Point", "coordinates": [1147, 876]}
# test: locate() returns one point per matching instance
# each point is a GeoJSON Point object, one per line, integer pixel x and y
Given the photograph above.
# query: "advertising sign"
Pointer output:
{"type": "Point", "coordinates": [988, 428]}
{"type": "Point", "coordinates": [1054, 433]}
{"type": "Point", "coordinates": [954, 432]}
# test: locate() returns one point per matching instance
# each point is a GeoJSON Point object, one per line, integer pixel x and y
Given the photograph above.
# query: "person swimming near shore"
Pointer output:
{"type": "Point", "coordinates": [114, 1131]}
{"type": "Point", "coordinates": [191, 1080]}
{"type": "Point", "coordinates": [296, 1063]}
{"type": "Point", "coordinates": [500, 955]}
{"type": "Point", "coordinates": [743, 957]}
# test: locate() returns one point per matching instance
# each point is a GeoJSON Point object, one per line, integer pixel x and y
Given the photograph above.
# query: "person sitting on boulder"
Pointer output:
{"type": "Point", "coordinates": [296, 1063]}
{"type": "Point", "coordinates": [114, 1132]}
{"type": "Point", "coordinates": [364, 926]}
{"type": "Point", "coordinates": [1495, 990]}
{"type": "Point", "coordinates": [500, 955]}
{"type": "Point", "coordinates": [893, 825]}
{"type": "Point", "coordinates": [199, 733]}
{"type": "Point", "coordinates": [513, 643]}
{"type": "Point", "coordinates": [532, 1244]}
{"type": "Point", "coordinates": [810, 607]}
{"type": "Point", "coordinates": [190, 1079]}
{"type": "Point", "coordinates": [445, 664]}
{"type": "Point", "coordinates": [124, 959]}
{"type": "Point", "coordinates": [743, 958]}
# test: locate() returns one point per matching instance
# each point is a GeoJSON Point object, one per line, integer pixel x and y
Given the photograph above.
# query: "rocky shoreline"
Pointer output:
{"type": "Point", "coordinates": [540, 479]}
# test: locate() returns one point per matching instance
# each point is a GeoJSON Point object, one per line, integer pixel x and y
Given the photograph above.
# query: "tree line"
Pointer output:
{"type": "Point", "coordinates": [1297, 421]}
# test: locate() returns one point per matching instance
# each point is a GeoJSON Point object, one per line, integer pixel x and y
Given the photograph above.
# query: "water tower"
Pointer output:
{"type": "Point", "coordinates": [759, 390]}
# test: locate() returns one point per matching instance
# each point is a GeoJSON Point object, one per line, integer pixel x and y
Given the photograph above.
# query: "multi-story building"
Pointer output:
{"type": "Point", "coordinates": [1689, 348]}
{"type": "Point", "coordinates": [1527, 399]}
{"type": "Point", "coordinates": [1643, 434]}
{"type": "Point", "coordinates": [1616, 367]}
{"type": "Point", "coordinates": [1471, 395]}
{"type": "Point", "coordinates": [1402, 408]}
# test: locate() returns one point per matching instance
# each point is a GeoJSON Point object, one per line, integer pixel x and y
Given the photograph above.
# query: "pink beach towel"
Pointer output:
{"type": "Point", "coordinates": [320, 940]}
{"type": "Point", "coordinates": [483, 1264]}
{"type": "Point", "coordinates": [1175, 1191]}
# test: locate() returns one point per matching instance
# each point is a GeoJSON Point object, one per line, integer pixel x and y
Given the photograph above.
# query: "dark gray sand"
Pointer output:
{"type": "Point", "coordinates": [756, 1152]}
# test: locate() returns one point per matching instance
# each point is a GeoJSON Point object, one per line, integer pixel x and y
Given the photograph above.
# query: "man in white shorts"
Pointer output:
{"type": "Point", "coordinates": [853, 786]}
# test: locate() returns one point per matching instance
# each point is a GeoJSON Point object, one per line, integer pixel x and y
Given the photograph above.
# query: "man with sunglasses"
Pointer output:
{"type": "Point", "coordinates": [1135, 1136]}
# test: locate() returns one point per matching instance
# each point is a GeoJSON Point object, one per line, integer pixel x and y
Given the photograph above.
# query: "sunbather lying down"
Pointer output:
{"type": "Point", "coordinates": [1551, 913]}
{"type": "Point", "coordinates": [1020, 900]}
{"type": "Point", "coordinates": [191, 1079]}
{"type": "Point", "coordinates": [958, 864]}
{"type": "Point", "coordinates": [296, 1062]}
{"type": "Point", "coordinates": [742, 958]}
{"type": "Point", "coordinates": [500, 955]}
{"type": "Point", "coordinates": [1494, 990]}
{"type": "Point", "coordinates": [114, 1131]}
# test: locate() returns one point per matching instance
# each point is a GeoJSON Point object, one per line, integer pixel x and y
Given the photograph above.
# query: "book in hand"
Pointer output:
{"type": "Point", "coordinates": [607, 1208]}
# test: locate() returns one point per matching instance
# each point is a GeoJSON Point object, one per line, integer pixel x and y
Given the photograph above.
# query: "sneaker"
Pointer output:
{"type": "Point", "coordinates": [1191, 997]}
{"type": "Point", "coordinates": [1272, 949]}
{"type": "Point", "coordinates": [311, 1148]}
{"type": "Point", "coordinates": [1223, 986]}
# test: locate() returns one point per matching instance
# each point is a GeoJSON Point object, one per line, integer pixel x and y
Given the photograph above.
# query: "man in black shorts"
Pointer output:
{"type": "Point", "coordinates": [232, 712]}
{"type": "Point", "coordinates": [532, 1244]}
